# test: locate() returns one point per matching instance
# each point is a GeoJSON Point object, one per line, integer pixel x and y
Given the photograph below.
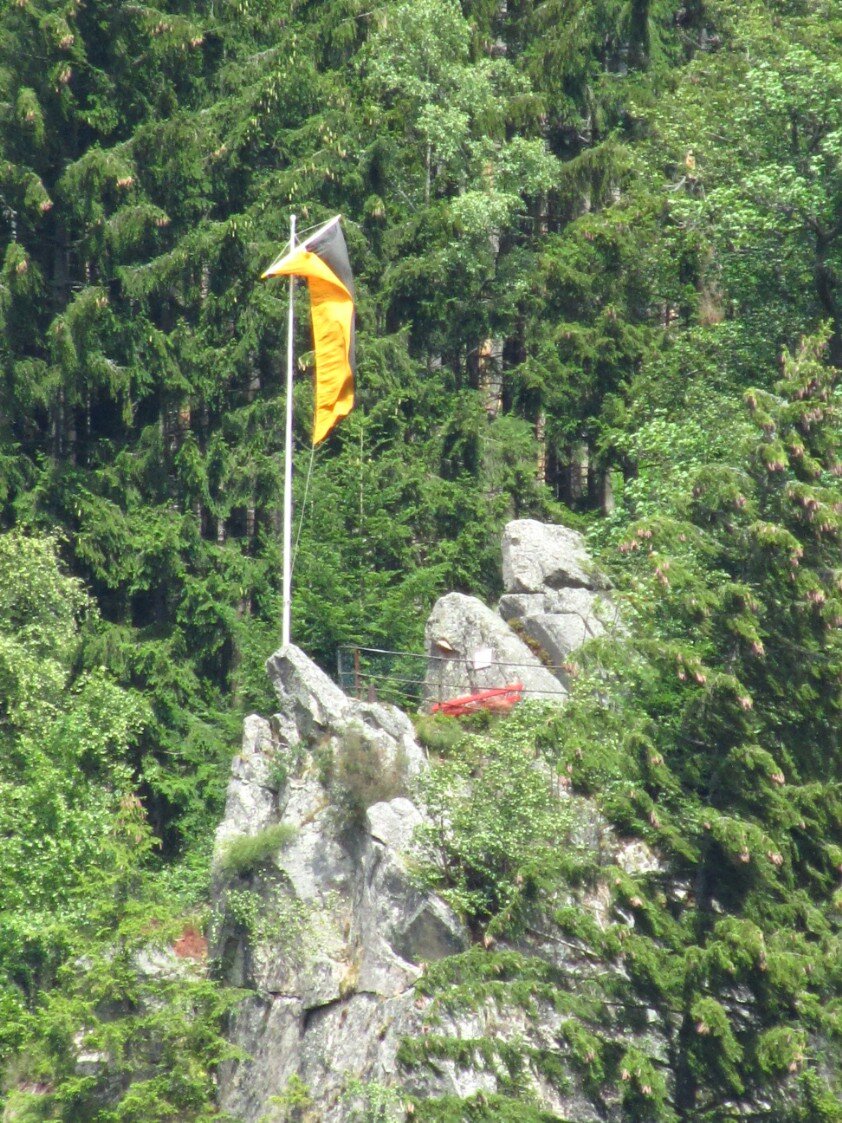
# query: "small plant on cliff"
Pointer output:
{"type": "Point", "coordinates": [293, 1105]}
{"type": "Point", "coordinates": [362, 776]}
{"type": "Point", "coordinates": [244, 854]}
{"type": "Point", "coordinates": [438, 733]}
{"type": "Point", "coordinates": [370, 1102]}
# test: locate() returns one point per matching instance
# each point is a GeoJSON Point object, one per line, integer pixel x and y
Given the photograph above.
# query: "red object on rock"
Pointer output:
{"type": "Point", "coordinates": [191, 944]}
{"type": "Point", "coordinates": [500, 699]}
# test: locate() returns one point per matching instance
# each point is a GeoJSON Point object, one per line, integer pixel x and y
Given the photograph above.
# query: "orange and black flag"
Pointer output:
{"type": "Point", "coordinates": [323, 260]}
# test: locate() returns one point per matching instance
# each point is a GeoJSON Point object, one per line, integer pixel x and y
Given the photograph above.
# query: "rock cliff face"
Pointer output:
{"type": "Point", "coordinates": [327, 930]}
{"type": "Point", "coordinates": [320, 920]}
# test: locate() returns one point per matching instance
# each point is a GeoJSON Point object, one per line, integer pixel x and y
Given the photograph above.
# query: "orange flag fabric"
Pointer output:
{"type": "Point", "coordinates": [323, 260]}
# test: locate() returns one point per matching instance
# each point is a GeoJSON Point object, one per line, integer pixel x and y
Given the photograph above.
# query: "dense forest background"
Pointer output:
{"type": "Point", "coordinates": [597, 247]}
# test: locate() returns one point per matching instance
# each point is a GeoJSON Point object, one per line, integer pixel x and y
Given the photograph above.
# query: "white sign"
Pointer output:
{"type": "Point", "coordinates": [483, 658]}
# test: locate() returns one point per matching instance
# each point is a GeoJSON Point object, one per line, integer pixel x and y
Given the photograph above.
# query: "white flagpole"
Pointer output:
{"type": "Point", "coordinates": [287, 552]}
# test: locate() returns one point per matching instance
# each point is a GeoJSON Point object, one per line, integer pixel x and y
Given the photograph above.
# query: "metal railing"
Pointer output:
{"type": "Point", "coordinates": [377, 674]}
{"type": "Point", "coordinates": [401, 677]}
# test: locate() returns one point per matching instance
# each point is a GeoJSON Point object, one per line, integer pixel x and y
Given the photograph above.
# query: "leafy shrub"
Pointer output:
{"type": "Point", "coordinates": [496, 819]}
{"type": "Point", "coordinates": [370, 1102]}
{"type": "Point", "coordinates": [438, 732]}
{"type": "Point", "coordinates": [479, 721]}
{"type": "Point", "coordinates": [244, 854]}
{"type": "Point", "coordinates": [283, 763]}
{"type": "Point", "coordinates": [294, 1103]}
{"type": "Point", "coordinates": [278, 771]}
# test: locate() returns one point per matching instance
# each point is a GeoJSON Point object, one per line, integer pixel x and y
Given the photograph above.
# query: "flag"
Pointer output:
{"type": "Point", "coordinates": [323, 260]}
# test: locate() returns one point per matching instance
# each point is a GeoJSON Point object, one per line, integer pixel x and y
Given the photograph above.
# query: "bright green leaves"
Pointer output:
{"type": "Point", "coordinates": [762, 189]}
{"type": "Point", "coordinates": [131, 1031]}
{"type": "Point", "coordinates": [91, 991]}
{"type": "Point", "coordinates": [39, 606]}
{"type": "Point", "coordinates": [414, 51]}
{"type": "Point", "coordinates": [448, 146]}
{"type": "Point", "coordinates": [66, 742]}
{"type": "Point", "coordinates": [63, 768]}
{"type": "Point", "coordinates": [645, 1093]}
{"type": "Point", "coordinates": [497, 822]}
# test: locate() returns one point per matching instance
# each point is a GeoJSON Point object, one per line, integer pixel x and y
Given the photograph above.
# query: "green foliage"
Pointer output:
{"type": "Point", "coordinates": [245, 853]}
{"type": "Point", "coordinates": [581, 234]}
{"type": "Point", "coordinates": [292, 1104]}
{"type": "Point", "coordinates": [83, 921]}
{"type": "Point", "coordinates": [690, 733]}
{"type": "Point", "coordinates": [732, 592]}
{"type": "Point", "coordinates": [438, 733]}
{"type": "Point", "coordinates": [496, 820]}
{"type": "Point", "coordinates": [268, 913]}
{"type": "Point", "coordinates": [481, 1107]}
{"type": "Point", "coordinates": [369, 1102]}
{"type": "Point", "coordinates": [127, 1030]}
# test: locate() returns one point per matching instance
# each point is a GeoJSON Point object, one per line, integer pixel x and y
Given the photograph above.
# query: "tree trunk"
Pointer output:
{"type": "Point", "coordinates": [826, 292]}
{"type": "Point", "coordinates": [606, 499]}
{"type": "Point", "coordinates": [70, 433]}
{"type": "Point", "coordinates": [577, 474]}
{"type": "Point", "coordinates": [490, 375]}
{"type": "Point", "coordinates": [251, 524]}
{"type": "Point", "coordinates": [541, 439]}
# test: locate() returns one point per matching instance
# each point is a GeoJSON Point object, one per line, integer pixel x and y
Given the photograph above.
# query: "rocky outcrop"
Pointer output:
{"type": "Point", "coordinates": [470, 648]}
{"type": "Point", "coordinates": [322, 921]}
{"type": "Point", "coordinates": [555, 598]}
{"type": "Point", "coordinates": [555, 601]}
{"type": "Point", "coordinates": [327, 931]}
{"type": "Point", "coordinates": [539, 556]}
{"type": "Point", "coordinates": [318, 917]}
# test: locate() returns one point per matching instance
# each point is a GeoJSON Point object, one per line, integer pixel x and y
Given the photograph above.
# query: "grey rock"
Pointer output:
{"type": "Point", "coordinates": [335, 929]}
{"type": "Point", "coordinates": [417, 926]}
{"type": "Point", "coordinates": [557, 621]}
{"type": "Point", "coordinates": [556, 634]}
{"type": "Point", "coordinates": [635, 857]}
{"type": "Point", "coordinates": [250, 799]}
{"type": "Point", "coordinates": [284, 730]}
{"type": "Point", "coordinates": [161, 962]}
{"type": "Point", "coordinates": [594, 608]}
{"type": "Point", "coordinates": [540, 556]}
{"type": "Point", "coordinates": [513, 606]}
{"type": "Point", "coordinates": [307, 696]}
{"type": "Point", "coordinates": [314, 708]}
{"type": "Point", "coordinates": [315, 862]}
{"type": "Point", "coordinates": [470, 648]}
{"type": "Point", "coordinates": [394, 823]}
{"type": "Point", "coordinates": [334, 968]}
{"type": "Point", "coordinates": [400, 751]}
{"type": "Point", "coordinates": [388, 719]}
